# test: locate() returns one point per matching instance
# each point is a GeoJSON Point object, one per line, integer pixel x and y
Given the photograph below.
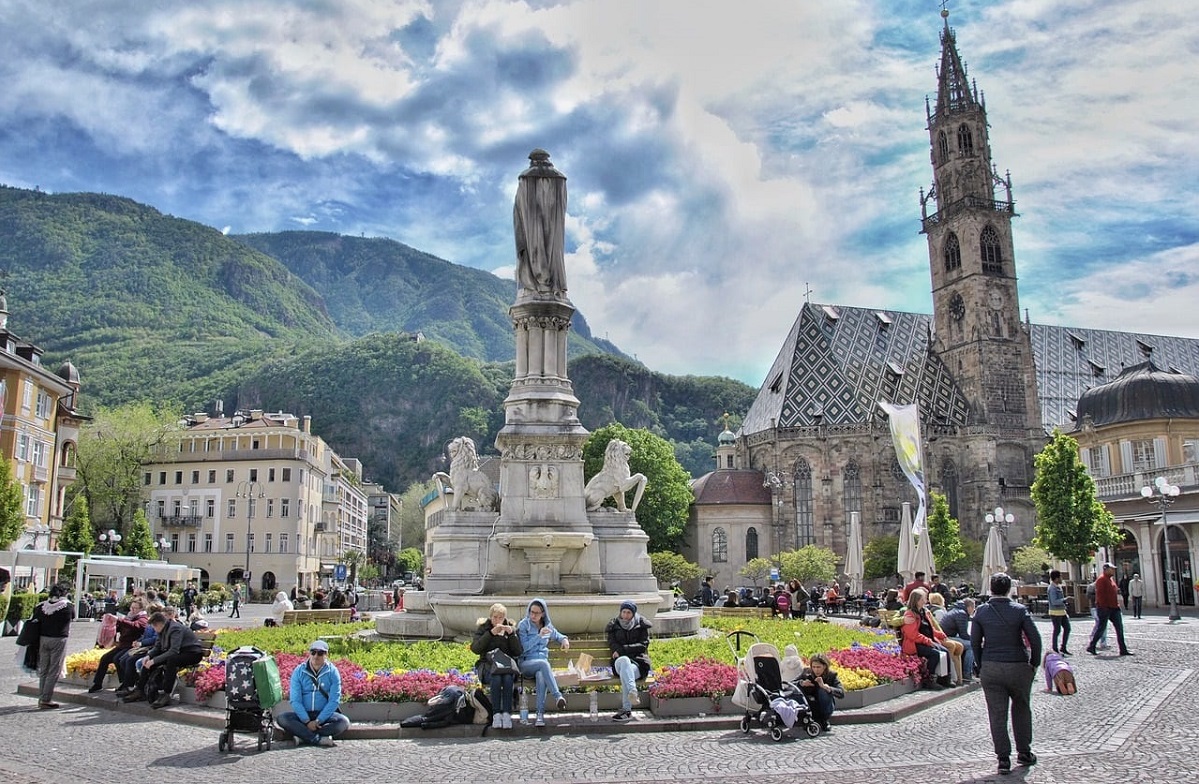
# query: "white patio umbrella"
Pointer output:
{"type": "Point", "coordinates": [905, 545]}
{"type": "Point", "coordinates": [993, 559]}
{"type": "Point", "coordinates": [922, 555]}
{"type": "Point", "coordinates": [854, 567]}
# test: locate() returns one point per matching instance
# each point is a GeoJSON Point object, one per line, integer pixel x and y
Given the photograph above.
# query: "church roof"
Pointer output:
{"type": "Point", "coordinates": [839, 361]}
{"type": "Point", "coordinates": [1141, 392]}
{"type": "Point", "coordinates": [730, 487]}
{"type": "Point", "coordinates": [954, 92]}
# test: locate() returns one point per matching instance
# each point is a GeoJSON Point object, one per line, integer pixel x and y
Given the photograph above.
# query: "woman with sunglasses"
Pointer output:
{"type": "Point", "coordinates": [315, 697]}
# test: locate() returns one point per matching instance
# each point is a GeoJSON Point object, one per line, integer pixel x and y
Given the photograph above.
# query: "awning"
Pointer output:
{"type": "Point", "coordinates": [1179, 518]}
{"type": "Point", "coordinates": [141, 570]}
{"type": "Point", "coordinates": [38, 559]}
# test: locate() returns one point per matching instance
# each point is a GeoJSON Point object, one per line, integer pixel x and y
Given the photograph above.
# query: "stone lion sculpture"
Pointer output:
{"type": "Point", "coordinates": [614, 480]}
{"type": "Point", "coordinates": [473, 490]}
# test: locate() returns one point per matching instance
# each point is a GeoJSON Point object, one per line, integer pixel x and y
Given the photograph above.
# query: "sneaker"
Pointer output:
{"type": "Point", "coordinates": [561, 703]}
{"type": "Point", "coordinates": [507, 721]}
{"type": "Point", "coordinates": [540, 721]}
{"type": "Point", "coordinates": [94, 688]}
{"type": "Point", "coordinates": [497, 721]}
{"type": "Point", "coordinates": [48, 705]}
{"type": "Point", "coordinates": [623, 716]}
{"type": "Point", "coordinates": [1005, 766]}
{"type": "Point", "coordinates": [326, 740]}
{"type": "Point", "coordinates": [635, 697]}
{"type": "Point", "coordinates": [1027, 760]}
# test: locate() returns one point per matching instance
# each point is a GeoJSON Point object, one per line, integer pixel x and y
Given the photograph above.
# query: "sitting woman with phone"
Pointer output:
{"type": "Point", "coordinates": [498, 647]}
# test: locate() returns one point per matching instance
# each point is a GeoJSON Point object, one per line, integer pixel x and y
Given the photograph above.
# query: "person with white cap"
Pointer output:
{"type": "Point", "coordinates": [1107, 603]}
{"type": "Point", "coordinates": [628, 640]}
{"type": "Point", "coordinates": [315, 697]}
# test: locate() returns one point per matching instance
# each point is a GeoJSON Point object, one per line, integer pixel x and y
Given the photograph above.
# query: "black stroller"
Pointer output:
{"type": "Point", "coordinates": [768, 695]}
{"type": "Point", "coordinates": [252, 689]}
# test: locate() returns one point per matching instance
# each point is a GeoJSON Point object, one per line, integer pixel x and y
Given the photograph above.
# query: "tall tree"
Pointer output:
{"type": "Point", "coordinates": [945, 535]}
{"type": "Point", "coordinates": [76, 533]}
{"type": "Point", "coordinates": [808, 564]}
{"type": "Point", "coordinates": [411, 530]}
{"type": "Point", "coordinates": [113, 447]}
{"type": "Point", "coordinates": [1071, 522]}
{"type": "Point", "coordinates": [12, 511]}
{"type": "Point", "coordinates": [880, 557]}
{"type": "Point", "coordinates": [139, 541]}
{"type": "Point", "coordinates": [663, 511]}
{"type": "Point", "coordinates": [756, 570]}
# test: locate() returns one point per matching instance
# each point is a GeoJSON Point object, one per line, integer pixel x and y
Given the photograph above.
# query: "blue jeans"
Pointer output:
{"type": "Point", "coordinates": [541, 670]}
{"type": "Point", "coordinates": [821, 703]}
{"type": "Point", "coordinates": [628, 671]}
{"type": "Point", "coordinates": [501, 693]}
{"type": "Point", "coordinates": [331, 727]}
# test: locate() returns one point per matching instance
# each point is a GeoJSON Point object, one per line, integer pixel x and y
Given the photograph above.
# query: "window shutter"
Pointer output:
{"type": "Point", "coordinates": [1159, 452]}
{"type": "Point", "coordinates": [1105, 453]}
{"type": "Point", "coordinates": [1085, 456]}
{"type": "Point", "coordinates": [1126, 456]}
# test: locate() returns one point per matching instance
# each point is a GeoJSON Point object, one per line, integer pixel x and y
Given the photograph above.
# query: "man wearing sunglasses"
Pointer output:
{"type": "Point", "coordinates": [315, 698]}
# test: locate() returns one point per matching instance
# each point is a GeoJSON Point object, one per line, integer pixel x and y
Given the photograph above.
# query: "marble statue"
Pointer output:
{"type": "Point", "coordinates": [539, 218]}
{"type": "Point", "coordinates": [614, 480]}
{"type": "Point", "coordinates": [473, 490]}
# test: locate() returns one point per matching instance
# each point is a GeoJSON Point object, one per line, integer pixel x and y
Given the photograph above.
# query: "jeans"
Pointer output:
{"type": "Point", "coordinates": [1136, 606]}
{"type": "Point", "coordinates": [1095, 628]}
{"type": "Point", "coordinates": [1061, 624]}
{"type": "Point", "coordinates": [821, 703]}
{"type": "Point", "coordinates": [501, 693]}
{"type": "Point", "coordinates": [541, 670]}
{"type": "Point", "coordinates": [932, 659]}
{"type": "Point", "coordinates": [1008, 686]}
{"type": "Point", "coordinates": [330, 727]}
{"type": "Point", "coordinates": [1111, 614]}
{"type": "Point", "coordinates": [109, 657]}
{"type": "Point", "coordinates": [628, 671]}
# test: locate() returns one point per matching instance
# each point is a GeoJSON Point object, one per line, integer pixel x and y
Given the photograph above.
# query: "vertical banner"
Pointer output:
{"type": "Point", "coordinates": [3, 398]}
{"type": "Point", "coordinates": [905, 434]}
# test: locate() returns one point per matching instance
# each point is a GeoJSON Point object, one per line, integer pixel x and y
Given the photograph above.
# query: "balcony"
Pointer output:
{"type": "Point", "coordinates": [66, 474]}
{"type": "Point", "coordinates": [1124, 487]}
{"type": "Point", "coordinates": [41, 474]}
{"type": "Point", "coordinates": [964, 204]}
{"type": "Point", "coordinates": [228, 455]}
{"type": "Point", "coordinates": [181, 521]}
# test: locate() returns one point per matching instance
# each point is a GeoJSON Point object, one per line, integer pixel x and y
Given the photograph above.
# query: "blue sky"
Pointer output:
{"type": "Point", "coordinates": [721, 156]}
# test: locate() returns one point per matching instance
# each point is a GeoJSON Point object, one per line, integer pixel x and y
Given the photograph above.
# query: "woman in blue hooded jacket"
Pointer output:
{"type": "Point", "coordinates": [536, 633]}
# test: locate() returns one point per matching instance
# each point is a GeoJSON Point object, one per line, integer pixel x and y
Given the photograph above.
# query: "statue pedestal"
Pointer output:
{"type": "Point", "coordinates": [543, 551]}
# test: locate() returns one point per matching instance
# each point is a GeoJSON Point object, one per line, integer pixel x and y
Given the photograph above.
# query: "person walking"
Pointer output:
{"type": "Point", "coordinates": [53, 616]}
{"type": "Point", "coordinates": [236, 611]}
{"type": "Point", "coordinates": [1058, 613]}
{"type": "Point", "coordinates": [1136, 590]}
{"type": "Point", "coordinates": [190, 594]}
{"type": "Point", "coordinates": [1107, 603]}
{"type": "Point", "coordinates": [1007, 649]}
{"type": "Point", "coordinates": [628, 641]}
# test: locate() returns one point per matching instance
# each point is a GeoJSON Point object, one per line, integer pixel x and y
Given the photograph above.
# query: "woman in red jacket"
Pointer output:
{"type": "Point", "coordinates": [920, 638]}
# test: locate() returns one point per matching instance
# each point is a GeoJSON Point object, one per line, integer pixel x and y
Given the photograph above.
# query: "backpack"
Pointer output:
{"type": "Point", "coordinates": [451, 705]}
{"type": "Point", "coordinates": [783, 603]}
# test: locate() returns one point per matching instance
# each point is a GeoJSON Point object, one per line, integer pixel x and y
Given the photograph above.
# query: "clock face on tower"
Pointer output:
{"type": "Point", "coordinates": [957, 306]}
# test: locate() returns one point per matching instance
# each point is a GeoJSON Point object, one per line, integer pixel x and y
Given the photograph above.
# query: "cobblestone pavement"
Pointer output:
{"type": "Point", "coordinates": [1131, 721]}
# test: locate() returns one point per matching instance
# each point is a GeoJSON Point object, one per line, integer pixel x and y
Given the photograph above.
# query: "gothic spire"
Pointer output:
{"type": "Point", "coordinates": [953, 88]}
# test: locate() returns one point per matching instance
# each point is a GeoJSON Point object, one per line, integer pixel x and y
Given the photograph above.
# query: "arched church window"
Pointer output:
{"type": "Point", "coordinates": [965, 140]}
{"type": "Point", "coordinates": [751, 544]}
{"type": "Point", "coordinates": [853, 488]}
{"type": "Point", "coordinates": [953, 253]}
{"type": "Point", "coordinates": [804, 532]}
{"type": "Point", "coordinates": [949, 484]}
{"type": "Point", "coordinates": [992, 256]}
{"type": "Point", "coordinates": [720, 546]}
{"type": "Point", "coordinates": [942, 147]}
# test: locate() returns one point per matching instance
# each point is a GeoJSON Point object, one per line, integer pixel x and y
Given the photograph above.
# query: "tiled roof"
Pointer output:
{"type": "Point", "coordinates": [730, 487]}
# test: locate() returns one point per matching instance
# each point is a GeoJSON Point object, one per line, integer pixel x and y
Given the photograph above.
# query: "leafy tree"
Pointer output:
{"type": "Point", "coordinates": [12, 512]}
{"type": "Point", "coordinates": [76, 533]}
{"type": "Point", "coordinates": [352, 559]}
{"type": "Point", "coordinates": [669, 567]}
{"type": "Point", "coordinates": [970, 562]}
{"type": "Point", "coordinates": [368, 571]}
{"type": "Point", "coordinates": [411, 560]}
{"type": "Point", "coordinates": [663, 510]}
{"type": "Point", "coordinates": [113, 447]}
{"type": "Point", "coordinates": [756, 570]}
{"type": "Point", "coordinates": [139, 541]}
{"type": "Point", "coordinates": [1071, 523]}
{"type": "Point", "coordinates": [943, 532]}
{"type": "Point", "coordinates": [473, 422]}
{"type": "Point", "coordinates": [1030, 560]}
{"type": "Point", "coordinates": [880, 557]}
{"type": "Point", "coordinates": [381, 551]}
{"type": "Point", "coordinates": [412, 516]}
{"type": "Point", "coordinates": [808, 564]}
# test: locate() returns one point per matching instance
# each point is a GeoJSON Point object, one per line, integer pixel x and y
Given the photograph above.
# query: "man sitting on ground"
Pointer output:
{"type": "Point", "coordinates": [315, 697]}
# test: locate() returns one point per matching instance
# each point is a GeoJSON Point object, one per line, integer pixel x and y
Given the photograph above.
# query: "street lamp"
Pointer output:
{"type": "Point", "coordinates": [37, 530]}
{"type": "Point", "coordinates": [249, 490]}
{"type": "Point", "coordinates": [110, 538]}
{"type": "Point", "coordinates": [1161, 494]}
{"type": "Point", "coordinates": [163, 546]}
{"type": "Point", "coordinates": [776, 482]}
{"type": "Point", "coordinates": [999, 518]}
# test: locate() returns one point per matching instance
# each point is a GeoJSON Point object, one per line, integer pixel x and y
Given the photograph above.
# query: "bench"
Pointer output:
{"type": "Point", "coordinates": [291, 617]}
{"type": "Point", "coordinates": [597, 649]}
{"type": "Point", "coordinates": [739, 612]}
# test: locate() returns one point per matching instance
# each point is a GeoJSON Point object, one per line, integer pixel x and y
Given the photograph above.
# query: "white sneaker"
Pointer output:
{"type": "Point", "coordinates": [326, 741]}
{"type": "Point", "coordinates": [507, 721]}
{"type": "Point", "coordinates": [497, 721]}
{"type": "Point", "coordinates": [540, 721]}
{"type": "Point", "coordinates": [635, 697]}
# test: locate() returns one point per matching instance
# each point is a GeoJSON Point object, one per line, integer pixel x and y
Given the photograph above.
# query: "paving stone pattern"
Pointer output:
{"type": "Point", "coordinates": [1131, 721]}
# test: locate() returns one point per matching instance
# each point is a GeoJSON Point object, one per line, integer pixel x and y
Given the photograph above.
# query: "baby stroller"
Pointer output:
{"type": "Point", "coordinates": [769, 700]}
{"type": "Point", "coordinates": [252, 689]}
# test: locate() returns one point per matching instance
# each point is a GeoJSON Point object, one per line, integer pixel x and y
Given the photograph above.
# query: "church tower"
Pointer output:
{"type": "Point", "coordinates": [976, 308]}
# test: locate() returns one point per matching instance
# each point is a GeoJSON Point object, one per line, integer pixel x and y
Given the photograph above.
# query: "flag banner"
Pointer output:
{"type": "Point", "coordinates": [905, 435]}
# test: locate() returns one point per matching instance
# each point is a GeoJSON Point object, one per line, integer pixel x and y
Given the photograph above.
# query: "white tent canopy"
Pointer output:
{"type": "Point", "coordinates": [37, 559]}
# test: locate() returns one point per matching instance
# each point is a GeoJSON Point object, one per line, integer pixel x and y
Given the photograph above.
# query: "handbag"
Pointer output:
{"type": "Point", "coordinates": [501, 663]}
{"type": "Point", "coordinates": [31, 632]}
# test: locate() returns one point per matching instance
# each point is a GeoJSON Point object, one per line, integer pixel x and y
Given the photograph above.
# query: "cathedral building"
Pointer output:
{"type": "Point", "coordinates": [990, 386]}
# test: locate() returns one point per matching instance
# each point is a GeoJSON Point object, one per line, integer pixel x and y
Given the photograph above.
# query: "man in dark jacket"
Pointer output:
{"type": "Point", "coordinates": [628, 640]}
{"type": "Point", "coordinates": [955, 622]}
{"type": "Point", "coordinates": [707, 594]}
{"type": "Point", "coordinates": [177, 646]}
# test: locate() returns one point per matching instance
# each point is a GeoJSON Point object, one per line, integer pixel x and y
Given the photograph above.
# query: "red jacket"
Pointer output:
{"type": "Point", "coordinates": [1107, 593]}
{"type": "Point", "coordinates": [907, 589]}
{"type": "Point", "coordinates": [911, 636]}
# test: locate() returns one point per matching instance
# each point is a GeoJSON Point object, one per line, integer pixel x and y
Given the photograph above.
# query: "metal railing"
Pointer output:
{"type": "Point", "coordinates": [1126, 486]}
{"type": "Point", "coordinates": [966, 203]}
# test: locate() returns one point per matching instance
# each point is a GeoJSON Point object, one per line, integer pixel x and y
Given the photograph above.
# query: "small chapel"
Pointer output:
{"type": "Point", "coordinates": [991, 386]}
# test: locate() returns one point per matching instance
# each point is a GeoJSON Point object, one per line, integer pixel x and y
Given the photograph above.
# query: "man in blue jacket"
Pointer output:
{"type": "Point", "coordinates": [315, 697]}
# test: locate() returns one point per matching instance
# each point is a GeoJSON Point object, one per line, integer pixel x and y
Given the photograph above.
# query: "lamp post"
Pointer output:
{"type": "Point", "coordinates": [1000, 518]}
{"type": "Point", "coordinates": [251, 491]}
{"type": "Point", "coordinates": [163, 546]}
{"type": "Point", "coordinates": [1161, 494]}
{"type": "Point", "coordinates": [110, 538]}
{"type": "Point", "coordinates": [39, 529]}
{"type": "Point", "coordinates": [776, 481]}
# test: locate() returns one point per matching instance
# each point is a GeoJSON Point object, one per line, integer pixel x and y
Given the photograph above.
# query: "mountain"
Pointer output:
{"type": "Point", "coordinates": [380, 285]}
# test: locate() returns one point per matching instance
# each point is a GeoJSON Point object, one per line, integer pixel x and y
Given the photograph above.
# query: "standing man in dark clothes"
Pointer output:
{"type": "Point", "coordinates": [189, 599]}
{"type": "Point", "coordinates": [1107, 603]}
{"type": "Point", "coordinates": [707, 594]}
{"type": "Point", "coordinates": [53, 616]}
{"type": "Point", "coordinates": [998, 635]}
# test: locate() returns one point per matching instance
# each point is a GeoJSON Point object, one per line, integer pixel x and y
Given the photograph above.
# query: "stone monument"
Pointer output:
{"type": "Point", "coordinates": [550, 535]}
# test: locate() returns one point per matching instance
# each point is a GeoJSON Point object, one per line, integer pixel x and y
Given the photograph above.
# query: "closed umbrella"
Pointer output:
{"type": "Point", "coordinates": [922, 555]}
{"type": "Point", "coordinates": [905, 545]}
{"type": "Point", "coordinates": [853, 554]}
{"type": "Point", "coordinates": [993, 560]}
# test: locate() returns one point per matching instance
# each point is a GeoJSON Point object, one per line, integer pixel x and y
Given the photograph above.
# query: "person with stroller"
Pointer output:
{"type": "Point", "coordinates": [536, 633]}
{"type": "Point", "coordinates": [919, 638]}
{"type": "Point", "coordinates": [628, 641]}
{"type": "Point", "coordinates": [315, 696]}
{"type": "Point", "coordinates": [497, 633]}
{"type": "Point", "coordinates": [129, 631]}
{"type": "Point", "coordinates": [822, 687]}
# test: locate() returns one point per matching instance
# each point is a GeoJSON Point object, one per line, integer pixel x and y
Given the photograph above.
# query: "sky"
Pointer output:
{"type": "Point", "coordinates": [725, 160]}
